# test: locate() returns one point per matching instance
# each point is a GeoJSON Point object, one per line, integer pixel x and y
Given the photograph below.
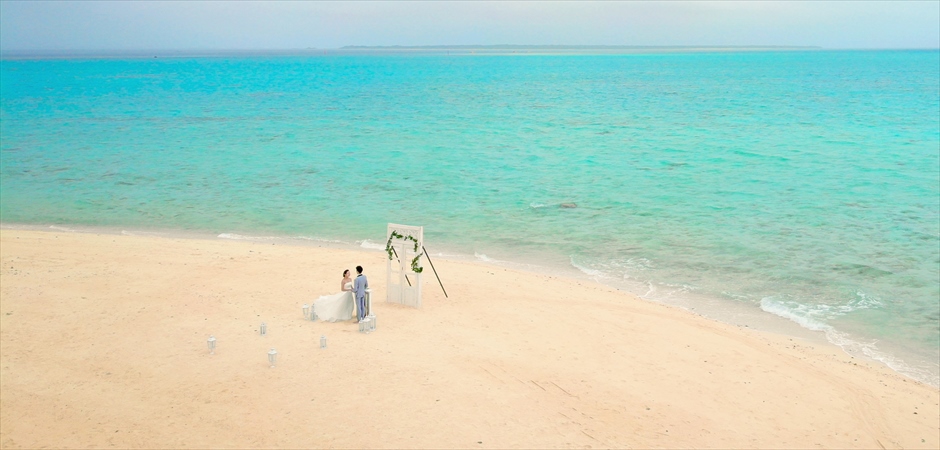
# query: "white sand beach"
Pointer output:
{"type": "Point", "coordinates": [103, 344]}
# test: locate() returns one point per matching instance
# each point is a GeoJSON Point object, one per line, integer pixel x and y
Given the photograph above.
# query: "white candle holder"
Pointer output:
{"type": "Point", "coordinates": [371, 322]}
{"type": "Point", "coordinates": [322, 341]}
{"type": "Point", "coordinates": [306, 311]}
{"type": "Point", "coordinates": [313, 313]}
{"type": "Point", "coordinates": [264, 329]}
{"type": "Point", "coordinates": [211, 343]}
{"type": "Point", "coordinates": [272, 357]}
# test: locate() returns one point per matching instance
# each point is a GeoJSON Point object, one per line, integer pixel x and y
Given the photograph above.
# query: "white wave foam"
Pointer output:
{"type": "Point", "coordinates": [812, 318]}
{"type": "Point", "coordinates": [314, 239]}
{"type": "Point", "coordinates": [734, 296]}
{"type": "Point", "coordinates": [863, 301]}
{"type": "Point", "coordinates": [371, 245]}
{"type": "Point", "coordinates": [54, 227]}
{"type": "Point", "coordinates": [236, 237]}
{"type": "Point", "coordinates": [536, 205]}
{"type": "Point", "coordinates": [631, 269]}
{"type": "Point", "coordinates": [484, 258]}
{"type": "Point", "coordinates": [142, 233]}
{"type": "Point", "coordinates": [665, 292]}
{"type": "Point", "coordinates": [796, 314]}
{"type": "Point", "coordinates": [241, 237]}
{"type": "Point", "coordinates": [593, 273]}
{"type": "Point", "coordinates": [682, 287]}
{"type": "Point", "coordinates": [819, 312]}
{"type": "Point", "coordinates": [637, 264]}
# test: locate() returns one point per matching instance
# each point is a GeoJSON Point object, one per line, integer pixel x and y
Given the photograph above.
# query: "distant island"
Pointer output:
{"type": "Point", "coordinates": [561, 49]}
{"type": "Point", "coordinates": [393, 50]}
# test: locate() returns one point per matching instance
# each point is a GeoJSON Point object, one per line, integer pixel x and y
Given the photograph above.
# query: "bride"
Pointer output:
{"type": "Point", "coordinates": [337, 306]}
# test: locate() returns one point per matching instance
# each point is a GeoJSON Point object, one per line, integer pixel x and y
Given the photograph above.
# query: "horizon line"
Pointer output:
{"type": "Point", "coordinates": [508, 49]}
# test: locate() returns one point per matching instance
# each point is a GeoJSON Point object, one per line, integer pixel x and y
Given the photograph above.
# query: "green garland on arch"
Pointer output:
{"type": "Point", "coordinates": [391, 252]}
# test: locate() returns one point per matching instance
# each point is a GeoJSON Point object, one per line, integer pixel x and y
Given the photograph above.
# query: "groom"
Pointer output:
{"type": "Point", "coordinates": [360, 284]}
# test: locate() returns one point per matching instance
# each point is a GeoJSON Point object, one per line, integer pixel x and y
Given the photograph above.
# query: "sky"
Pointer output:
{"type": "Point", "coordinates": [116, 25]}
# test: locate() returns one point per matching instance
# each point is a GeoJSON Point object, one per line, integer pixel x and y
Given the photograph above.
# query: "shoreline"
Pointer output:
{"type": "Point", "coordinates": [104, 343]}
{"type": "Point", "coordinates": [724, 311]}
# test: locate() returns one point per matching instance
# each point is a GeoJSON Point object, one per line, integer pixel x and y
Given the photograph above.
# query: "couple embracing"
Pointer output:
{"type": "Point", "coordinates": [340, 306]}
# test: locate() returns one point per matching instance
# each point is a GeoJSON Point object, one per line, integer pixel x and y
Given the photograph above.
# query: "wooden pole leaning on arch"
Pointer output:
{"type": "Point", "coordinates": [435, 271]}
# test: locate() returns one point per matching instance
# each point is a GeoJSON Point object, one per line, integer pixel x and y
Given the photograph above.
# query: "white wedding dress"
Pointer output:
{"type": "Point", "coordinates": [335, 307]}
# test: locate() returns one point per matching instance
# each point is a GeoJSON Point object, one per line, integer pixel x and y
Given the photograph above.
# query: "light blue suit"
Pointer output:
{"type": "Point", "coordinates": [360, 284]}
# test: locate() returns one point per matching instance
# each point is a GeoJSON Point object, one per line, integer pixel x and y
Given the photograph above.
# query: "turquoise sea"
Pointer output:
{"type": "Point", "coordinates": [802, 185]}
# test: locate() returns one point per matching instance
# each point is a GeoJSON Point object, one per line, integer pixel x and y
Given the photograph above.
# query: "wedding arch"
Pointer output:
{"type": "Point", "coordinates": [405, 248]}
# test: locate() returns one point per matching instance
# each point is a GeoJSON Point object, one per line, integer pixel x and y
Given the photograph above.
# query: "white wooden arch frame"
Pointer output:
{"type": "Point", "coordinates": [405, 244]}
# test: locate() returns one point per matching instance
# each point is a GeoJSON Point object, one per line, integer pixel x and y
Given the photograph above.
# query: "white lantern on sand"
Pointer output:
{"type": "Point", "coordinates": [211, 344]}
{"type": "Point", "coordinates": [365, 325]}
{"type": "Point", "coordinates": [263, 329]}
{"type": "Point", "coordinates": [306, 310]}
{"type": "Point", "coordinates": [322, 341]}
{"type": "Point", "coordinates": [272, 356]}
